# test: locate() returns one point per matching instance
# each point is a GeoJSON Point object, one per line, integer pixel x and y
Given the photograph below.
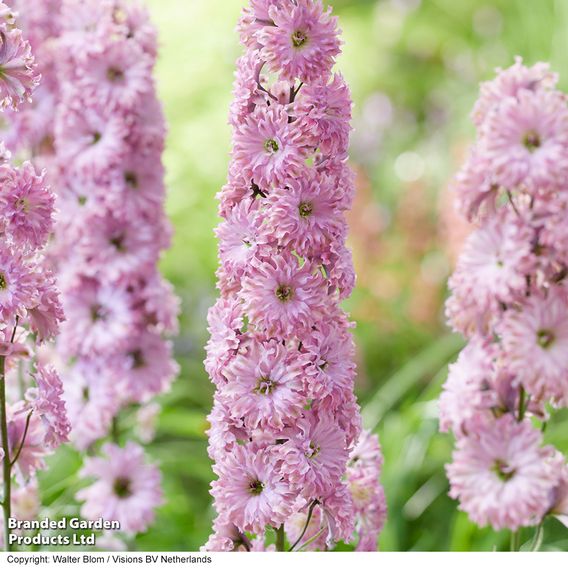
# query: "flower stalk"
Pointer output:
{"type": "Point", "coordinates": [106, 131]}
{"type": "Point", "coordinates": [6, 463]}
{"type": "Point", "coordinates": [33, 422]}
{"type": "Point", "coordinates": [508, 301]}
{"type": "Point", "coordinates": [285, 425]}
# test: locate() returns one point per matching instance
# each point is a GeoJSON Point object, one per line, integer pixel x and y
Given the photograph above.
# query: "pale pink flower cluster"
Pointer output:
{"type": "Point", "coordinates": [17, 65]}
{"type": "Point", "coordinates": [32, 408]}
{"type": "Point", "coordinates": [368, 499]}
{"type": "Point", "coordinates": [99, 127]}
{"type": "Point", "coordinates": [369, 503]}
{"type": "Point", "coordinates": [31, 128]}
{"type": "Point", "coordinates": [510, 300]}
{"type": "Point", "coordinates": [26, 505]}
{"type": "Point", "coordinates": [281, 355]}
{"type": "Point", "coordinates": [127, 489]}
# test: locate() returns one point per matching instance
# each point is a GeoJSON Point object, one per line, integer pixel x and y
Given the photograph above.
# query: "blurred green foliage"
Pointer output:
{"type": "Point", "coordinates": [414, 69]}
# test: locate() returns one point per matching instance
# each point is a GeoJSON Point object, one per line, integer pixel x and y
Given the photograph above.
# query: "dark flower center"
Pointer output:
{"type": "Point", "coordinates": [313, 451]}
{"type": "Point", "coordinates": [3, 281]}
{"type": "Point", "coordinates": [82, 199]}
{"type": "Point", "coordinates": [118, 243]}
{"type": "Point", "coordinates": [97, 312]}
{"type": "Point", "coordinates": [531, 140]}
{"type": "Point", "coordinates": [306, 209]}
{"type": "Point", "coordinates": [131, 179]}
{"type": "Point", "coordinates": [96, 137]}
{"type": "Point", "coordinates": [114, 74]}
{"type": "Point", "coordinates": [271, 146]}
{"type": "Point", "coordinates": [264, 385]}
{"type": "Point", "coordinates": [545, 338]}
{"type": "Point", "coordinates": [256, 487]}
{"type": "Point", "coordinates": [138, 360]}
{"type": "Point", "coordinates": [122, 488]}
{"type": "Point", "coordinates": [299, 38]}
{"type": "Point", "coordinates": [23, 203]}
{"type": "Point", "coordinates": [503, 471]}
{"type": "Point", "coordinates": [284, 293]}
{"type": "Point", "coordinates": [85, 393]}
{"type": "Point", "coordinates": [46, 145]}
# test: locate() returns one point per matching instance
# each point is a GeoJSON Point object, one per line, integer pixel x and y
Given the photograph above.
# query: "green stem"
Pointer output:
{"type": "Point", "coordinates": [245, 541]}
{"type": "Point", "coordinates": [280, 540]}
{"type": "Point", "coordinates": [15, 329]}
{"type": "Point", "coordinates": [115, 431]}
{"type": "Point", "coordinates": [308, 519]}
{"type": "Point", "coordinates": [6, 463]}
{"type": "Point", "coordinates": [515, 541]}
{"type": "Point", "coordinates": [512, 202]}
{"type": "Point", "coordinates": [23, 441]}
{"type": "Point", "coordinates": [310, 540]}
{"type": "Point", "coordinates": [522, 404]}
{"type": "Point", "coordinates": [538, 536]}
{"type": "Point", "coordinates": [21, 383]}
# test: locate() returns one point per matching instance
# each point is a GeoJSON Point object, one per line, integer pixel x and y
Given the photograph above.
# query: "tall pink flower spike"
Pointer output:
{"type": "Point", "coordinates": [33, 417]}
{"type": "Point", "coordinates": [99, 129]}
{"type": "Point", "coordinates": [285, 436]}
{"type": "Point", "coordinates": [510, 300]}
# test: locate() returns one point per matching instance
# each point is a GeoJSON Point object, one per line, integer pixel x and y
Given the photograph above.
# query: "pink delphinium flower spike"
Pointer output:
{"type": "Point", "coordinates": [33, 417]}
{"type": "Point", "coordinates": [509, 299]}
{"type": "Point", "coordinates": [99, 130]}
{"type": "Point", "coordinates": [285, 419]}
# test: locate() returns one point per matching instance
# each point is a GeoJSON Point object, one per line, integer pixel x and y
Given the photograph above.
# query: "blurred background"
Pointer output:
{"type": "Point", "coordinates": [414, 68]}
